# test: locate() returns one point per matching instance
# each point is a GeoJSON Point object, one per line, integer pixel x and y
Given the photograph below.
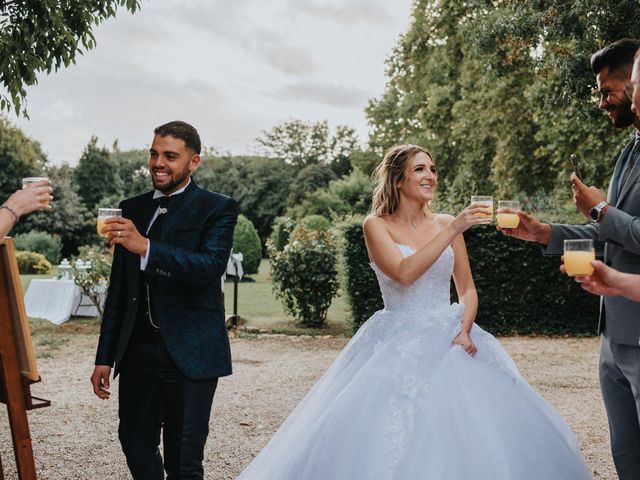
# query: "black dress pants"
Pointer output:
{"type": "Point", "coordinates": [153, 396]}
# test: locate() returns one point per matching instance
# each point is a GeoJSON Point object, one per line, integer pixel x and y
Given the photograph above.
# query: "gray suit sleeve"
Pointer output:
{"type": "Point", "coordinates": [561, 232]}
{"type": "Point", "coordinates": [621, 229]}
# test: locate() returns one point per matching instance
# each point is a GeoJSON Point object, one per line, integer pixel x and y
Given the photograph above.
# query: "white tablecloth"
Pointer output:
{"type": "Point", "coordinates": [56, 300]}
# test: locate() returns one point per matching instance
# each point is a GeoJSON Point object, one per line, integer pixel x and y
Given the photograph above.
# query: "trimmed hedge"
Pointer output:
{"type": "Point", "coordinates": [519, 290]}
{"type": "Point", "coordinates": [522, 291]}
{"type": "Point", "coordinates": [247, 242]}
{"type": "Point", "coordinates": [361, 284]}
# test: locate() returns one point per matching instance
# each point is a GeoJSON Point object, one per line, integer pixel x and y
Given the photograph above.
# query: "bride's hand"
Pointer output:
{"type": "Point", "coordinates": [474, 214]}
{"type": "Point", "coordinates": [464, 340]}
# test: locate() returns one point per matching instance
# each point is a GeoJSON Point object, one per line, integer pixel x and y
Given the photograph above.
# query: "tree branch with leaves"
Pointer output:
{"type": "Point", "coordinates": [42, 36]}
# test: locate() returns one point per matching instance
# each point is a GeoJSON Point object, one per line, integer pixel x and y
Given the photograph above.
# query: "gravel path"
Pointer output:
{"type": "Point", "coordinates": [76, 438]}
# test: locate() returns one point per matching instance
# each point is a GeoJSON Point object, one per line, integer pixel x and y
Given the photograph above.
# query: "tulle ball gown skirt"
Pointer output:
{"type": "Point", "coordinates": [402, 403]}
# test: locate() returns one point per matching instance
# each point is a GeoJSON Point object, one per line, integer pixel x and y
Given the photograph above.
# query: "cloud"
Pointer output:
{"type": "Point", "coordinates": [346, 13]}
{"type": "Point", "coordinates": [324, 93]}
{"type": "Point", "coordinates": [241, 25]}
{"type": "Point", "coordinates": [231, 68]}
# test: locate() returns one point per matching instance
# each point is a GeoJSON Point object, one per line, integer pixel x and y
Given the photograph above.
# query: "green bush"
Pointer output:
{"type": "Point", "coordinates": [32, 263]}
{"type": "Point", "coordinates": [247, 242]}
{"type": "Point", "coordinates": [305, 275]}
{"type": "Point", "coordinates": [282, 228]}
{"type": "Point", "coordinates": [40, 242]}
{"type": "Point", "coordinates": [316, 222]}
{"type": "Point", "coordinates": [519, 290]}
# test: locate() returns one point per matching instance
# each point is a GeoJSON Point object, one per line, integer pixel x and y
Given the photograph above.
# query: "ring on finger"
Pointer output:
{"type": "Point", "coordinates": [119, 233]}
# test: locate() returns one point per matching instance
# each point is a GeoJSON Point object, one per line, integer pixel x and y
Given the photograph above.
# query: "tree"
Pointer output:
{"type": "Point", "coordinates": [97, 176]}
{"type": "Point", "coordinates": [502, 93]}
{"type": "Point", "coordinates": [308, 180]}
{"type": "Point", "coordinates": [43, 35]}
{"type": "Point", "coordinates": [303, 143]}
{"type": "Point", "coordinates": [19, 157]}
{"type": "Point", "coordinates": [133, 170]}
{"type": "Point", "coordinates": [69, 219]}
{"type": "Point", "coordinates": [350, 195]}
{"type": "Point", "coordinates": [259, 185]}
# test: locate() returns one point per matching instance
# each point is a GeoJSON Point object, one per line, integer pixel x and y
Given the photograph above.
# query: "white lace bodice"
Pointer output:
{"type": "Point", "coordinates": [431, 290]}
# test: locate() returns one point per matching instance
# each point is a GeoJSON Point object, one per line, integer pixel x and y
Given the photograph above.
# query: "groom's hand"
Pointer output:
{"type": "Point", "coordinates": [123, 232]}
{"type": "Point", "coordinates": [100, 381]}
{"type": "Point", "coordinates": [529, 229]}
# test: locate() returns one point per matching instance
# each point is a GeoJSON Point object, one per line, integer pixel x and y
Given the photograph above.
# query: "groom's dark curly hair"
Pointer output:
{"type": "Point", "coordinates": [183, 131]}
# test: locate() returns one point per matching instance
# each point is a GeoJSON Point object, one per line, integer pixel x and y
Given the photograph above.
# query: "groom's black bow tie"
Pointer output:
{"type": "Point", "coordinates": [163, 203]}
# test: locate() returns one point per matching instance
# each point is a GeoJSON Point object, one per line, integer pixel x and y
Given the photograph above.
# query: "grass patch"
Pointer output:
{"type": "Point", "coordinates": [25, 280]}
{"type": "Point", "coordinates": [260, 308]}
{"type": "Point", "coordinates": [48, 337]}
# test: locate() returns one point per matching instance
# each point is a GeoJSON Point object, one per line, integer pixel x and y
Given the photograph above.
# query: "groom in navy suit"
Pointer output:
{"type": "Point", "coordinates": [163, 328]}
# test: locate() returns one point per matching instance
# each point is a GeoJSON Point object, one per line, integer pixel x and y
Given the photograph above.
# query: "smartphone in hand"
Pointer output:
{"type": "Point", "coordinates": [576, 166]}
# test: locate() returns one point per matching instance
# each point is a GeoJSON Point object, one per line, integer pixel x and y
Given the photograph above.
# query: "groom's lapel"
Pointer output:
{"type": "Point", "coordinates": [143, 212]}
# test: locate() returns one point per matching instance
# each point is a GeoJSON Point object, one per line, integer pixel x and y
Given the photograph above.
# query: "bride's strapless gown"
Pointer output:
{"type": "Point", "coordinates": [401, 402]}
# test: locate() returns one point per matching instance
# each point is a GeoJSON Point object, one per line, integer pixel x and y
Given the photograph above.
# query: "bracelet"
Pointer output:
{"type": "Point", "coordinates": [13, 212]}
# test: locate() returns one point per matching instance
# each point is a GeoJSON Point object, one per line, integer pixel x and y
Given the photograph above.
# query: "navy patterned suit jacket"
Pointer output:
{"type": "Point", "coordinates": [189, 262]}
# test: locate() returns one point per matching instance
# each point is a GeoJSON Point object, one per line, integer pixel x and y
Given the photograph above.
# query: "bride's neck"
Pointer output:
{"type": "Point", "coordinates": [412, 213]}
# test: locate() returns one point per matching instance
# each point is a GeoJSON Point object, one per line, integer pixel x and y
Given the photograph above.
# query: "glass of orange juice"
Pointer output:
{"type": "Point", "coordinates": [103, 214]}
{"type": "Point", "coordinates": [29, 180]}
{"type": "Point", "coordinates": [486, 201]}
{"type": "Point", "coordinates": [578, 255]}
{"type": "Point", "coordinates": [507, 213]}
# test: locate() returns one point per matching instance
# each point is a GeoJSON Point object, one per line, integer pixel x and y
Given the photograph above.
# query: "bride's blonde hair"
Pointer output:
{"type": "Point", "coordinates": [389, 174]}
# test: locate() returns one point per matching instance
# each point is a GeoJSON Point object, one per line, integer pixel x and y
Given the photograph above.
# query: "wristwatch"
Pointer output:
{"type": "Point", "coordinates": [596, 211]}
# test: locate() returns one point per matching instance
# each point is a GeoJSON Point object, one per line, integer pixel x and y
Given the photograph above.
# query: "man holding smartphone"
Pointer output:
{"type": "Point", "coordinates": [615, 227]}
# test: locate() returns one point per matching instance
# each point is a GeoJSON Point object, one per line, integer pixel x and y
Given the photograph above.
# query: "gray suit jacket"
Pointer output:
{"type": "Point", "coordinates": [618, 238]}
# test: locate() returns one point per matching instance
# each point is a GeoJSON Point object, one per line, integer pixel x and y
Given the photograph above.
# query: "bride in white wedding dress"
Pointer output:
{"type": "Point", "coordinates": [420, 392]}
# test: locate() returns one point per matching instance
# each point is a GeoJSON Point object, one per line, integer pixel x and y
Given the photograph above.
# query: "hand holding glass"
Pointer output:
{"type": "Point", "coordinates": [578, 255]}
{"type": "Point", "coordinates": [507, 213]}
{"type": "Point", "coordinates": [29, 180]}
{"type": "Point", "coordinates": [485, 201]}
{"type": "Point", "coordinates": [103, 214]}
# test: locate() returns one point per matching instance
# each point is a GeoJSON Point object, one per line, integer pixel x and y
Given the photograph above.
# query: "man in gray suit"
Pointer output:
{"type": "Point", "coordinates": [615, 227]}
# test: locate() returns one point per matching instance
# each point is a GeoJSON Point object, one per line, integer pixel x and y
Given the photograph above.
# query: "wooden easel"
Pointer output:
{"type": "Point", "coordinates": [17, 363]}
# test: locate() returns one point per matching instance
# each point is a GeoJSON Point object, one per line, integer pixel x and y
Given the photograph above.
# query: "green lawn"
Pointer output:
{"type": "Point", "coordinates": [257, 306]}
{"type": "Point", "coordinates": [26, 279]}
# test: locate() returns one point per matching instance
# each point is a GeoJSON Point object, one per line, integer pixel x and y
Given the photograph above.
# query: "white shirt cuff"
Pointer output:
{"type": "Point", "coordinates": [145, 259]}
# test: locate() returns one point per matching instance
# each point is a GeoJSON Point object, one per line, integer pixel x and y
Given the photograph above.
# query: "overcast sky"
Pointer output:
{"type": "Point", "coordinates": [232, 68]}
